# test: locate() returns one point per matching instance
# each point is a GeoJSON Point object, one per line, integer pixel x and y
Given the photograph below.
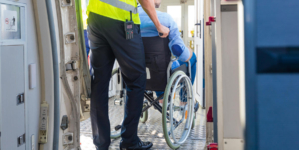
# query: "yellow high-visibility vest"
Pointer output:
{"type": "Point", "coordinates": [115, 9]}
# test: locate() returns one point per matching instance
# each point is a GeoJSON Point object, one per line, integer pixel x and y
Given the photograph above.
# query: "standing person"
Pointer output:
{"type": "Point", "coordinates": [114, 33]}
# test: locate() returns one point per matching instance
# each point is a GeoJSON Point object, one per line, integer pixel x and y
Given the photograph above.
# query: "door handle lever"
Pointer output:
{"type": "Point", "coordinates": [198, 29]}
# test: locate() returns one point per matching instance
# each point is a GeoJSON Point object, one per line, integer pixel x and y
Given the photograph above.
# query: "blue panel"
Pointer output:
{"type": "Point", "coordinates": [278, 60]}
{"type": "Point", "coordinates": [277, 22]}
{"type": "Point", "coordinates": [251, 136]}
{"type": "Point", "coordinates": [278, 107]}
{"type": "Point", "coordinates": [272, 98]}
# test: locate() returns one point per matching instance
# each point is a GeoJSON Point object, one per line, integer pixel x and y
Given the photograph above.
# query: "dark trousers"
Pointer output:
{"type": "Point", "coordinates": [107, 43]}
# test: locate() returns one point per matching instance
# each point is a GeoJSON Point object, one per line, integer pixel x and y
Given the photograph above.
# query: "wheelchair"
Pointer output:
{"type": "Point", "coordinates": [177, 110]}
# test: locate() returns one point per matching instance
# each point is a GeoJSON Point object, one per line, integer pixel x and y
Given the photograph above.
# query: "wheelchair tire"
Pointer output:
{"type": "Point", "coordinates": [169, 134]}
{"type": "Point", "coordinates": [114, 133]}
{"type": "Point", "coordinates": [144, 116]}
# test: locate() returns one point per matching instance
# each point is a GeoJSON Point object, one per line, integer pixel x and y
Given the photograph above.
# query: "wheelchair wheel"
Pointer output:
{"type": "Point", "coordinates": [178, 109]}
{"type": "Point", "coordinates": [144, 116]}
{"type": "Point", "coordinates": [116, 111]}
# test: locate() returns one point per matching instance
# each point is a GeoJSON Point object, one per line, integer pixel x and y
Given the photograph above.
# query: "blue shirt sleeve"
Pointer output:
{"type": "Point", "coordinates": [176, 43]}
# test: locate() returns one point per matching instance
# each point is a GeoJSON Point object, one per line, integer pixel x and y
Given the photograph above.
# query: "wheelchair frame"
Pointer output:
{"type": "Point", "coordinates": [151, 99]}
{"type": "Point", "coordinates": [154, 102]}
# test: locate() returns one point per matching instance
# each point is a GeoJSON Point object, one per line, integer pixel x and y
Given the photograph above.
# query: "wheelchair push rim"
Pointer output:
{"type": "Point", "coordinates": [185, 109]}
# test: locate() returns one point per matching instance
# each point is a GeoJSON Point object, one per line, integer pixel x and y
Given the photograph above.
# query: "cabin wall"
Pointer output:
{"type": "Point", "coordinates": [230, 54]}
{"type": "Point", "coordinates": [208, 70]}
{"type": "Point", "coordinates": [228, 73]}
{"type": "Point", "coordinates": [232, 129]}
{"type": "Point", "coordinates": [28, 47]}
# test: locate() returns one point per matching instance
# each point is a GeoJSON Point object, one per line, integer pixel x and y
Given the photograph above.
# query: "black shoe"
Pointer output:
{"type": "Point", "coordinates": [139, 146]}
{"type": "Point", "coordinates": [196, 106]}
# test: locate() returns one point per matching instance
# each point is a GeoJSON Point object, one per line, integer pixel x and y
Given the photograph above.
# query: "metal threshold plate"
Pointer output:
{"type": "Point", "coordinates": [151, 131]}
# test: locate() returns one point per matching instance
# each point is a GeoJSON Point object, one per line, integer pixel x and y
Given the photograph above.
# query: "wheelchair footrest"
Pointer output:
{"type": "Point", "coordinates": [117, 127]}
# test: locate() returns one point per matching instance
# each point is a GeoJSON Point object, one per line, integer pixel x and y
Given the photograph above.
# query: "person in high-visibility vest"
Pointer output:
{"type": "Point", "coordinates": [114, 33]}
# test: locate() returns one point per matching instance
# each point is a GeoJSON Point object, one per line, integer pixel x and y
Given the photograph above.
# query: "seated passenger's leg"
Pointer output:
{"type": "Point", "coordinates": [193, 62]}
{"type": "Point", "coordinates": [159, 93]}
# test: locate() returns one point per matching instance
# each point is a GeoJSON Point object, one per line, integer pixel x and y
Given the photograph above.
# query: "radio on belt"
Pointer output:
{"type": "Point", "coordinates": [129, 28]}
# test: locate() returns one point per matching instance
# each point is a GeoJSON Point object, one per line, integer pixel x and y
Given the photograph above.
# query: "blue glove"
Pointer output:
{"type": "Point", "coordinates": [175, 65]}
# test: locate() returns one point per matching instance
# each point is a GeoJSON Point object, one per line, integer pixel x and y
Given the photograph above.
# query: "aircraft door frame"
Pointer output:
{"type": "Point", "coordinates": [21, 41]}
{"type": "Point", "coordinates": [186, 17]}
{"type": "Point", "coordinates": [199, 48]}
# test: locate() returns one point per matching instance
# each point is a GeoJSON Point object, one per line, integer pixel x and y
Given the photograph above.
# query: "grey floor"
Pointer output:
{"type": "Point", "coordinates": [152, 131]}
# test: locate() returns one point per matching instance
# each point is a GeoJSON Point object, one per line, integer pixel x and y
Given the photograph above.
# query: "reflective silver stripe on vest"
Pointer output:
{"type": "Point", "coordinates": [121, 5]}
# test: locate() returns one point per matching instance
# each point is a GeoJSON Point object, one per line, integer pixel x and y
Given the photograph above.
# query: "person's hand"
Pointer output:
{"type": "Point", "coordinates": [163, 31]}
{"type": "Point", "coordinates": [191, 54]}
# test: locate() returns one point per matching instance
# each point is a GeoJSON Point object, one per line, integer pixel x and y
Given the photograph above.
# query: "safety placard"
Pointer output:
{"type": "Point", "coordinates": [10, 21]}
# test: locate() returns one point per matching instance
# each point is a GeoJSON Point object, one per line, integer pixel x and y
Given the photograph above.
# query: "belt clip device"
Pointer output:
{"type": "Point", "coordinates": [129, 27]}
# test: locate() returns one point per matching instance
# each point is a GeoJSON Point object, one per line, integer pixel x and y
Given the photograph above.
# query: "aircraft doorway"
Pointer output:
{"type": "Point", "coordinates": [151, 129]}
{"type": "Point", "coordinates": [183, 15]}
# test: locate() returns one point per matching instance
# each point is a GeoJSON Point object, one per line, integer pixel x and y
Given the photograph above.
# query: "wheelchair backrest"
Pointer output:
{"type": "Point", "coordinates": [157, 57]}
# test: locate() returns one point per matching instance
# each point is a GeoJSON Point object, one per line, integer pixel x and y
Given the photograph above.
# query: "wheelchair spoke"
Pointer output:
{"type": "Point", "coordinates": [177, 108]}
{"type": "Point", "coordinates": [179, 88]}
{"type": "Point", "coordinates": [174, 120]}
{"type": "Point", "coordinates": [176, 124]}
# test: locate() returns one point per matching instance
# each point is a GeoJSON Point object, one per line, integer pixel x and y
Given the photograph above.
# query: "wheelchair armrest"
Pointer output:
{"type": "Point", "coordinates": [169, 67]}
{"type": "Point", "coordinates": [183, 68]}
{"type": "Point", "coordinates": [189, 69]}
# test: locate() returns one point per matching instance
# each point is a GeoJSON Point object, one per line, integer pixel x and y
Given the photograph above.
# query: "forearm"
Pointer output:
{"type": "Point", "coordinates": [149, 7]}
